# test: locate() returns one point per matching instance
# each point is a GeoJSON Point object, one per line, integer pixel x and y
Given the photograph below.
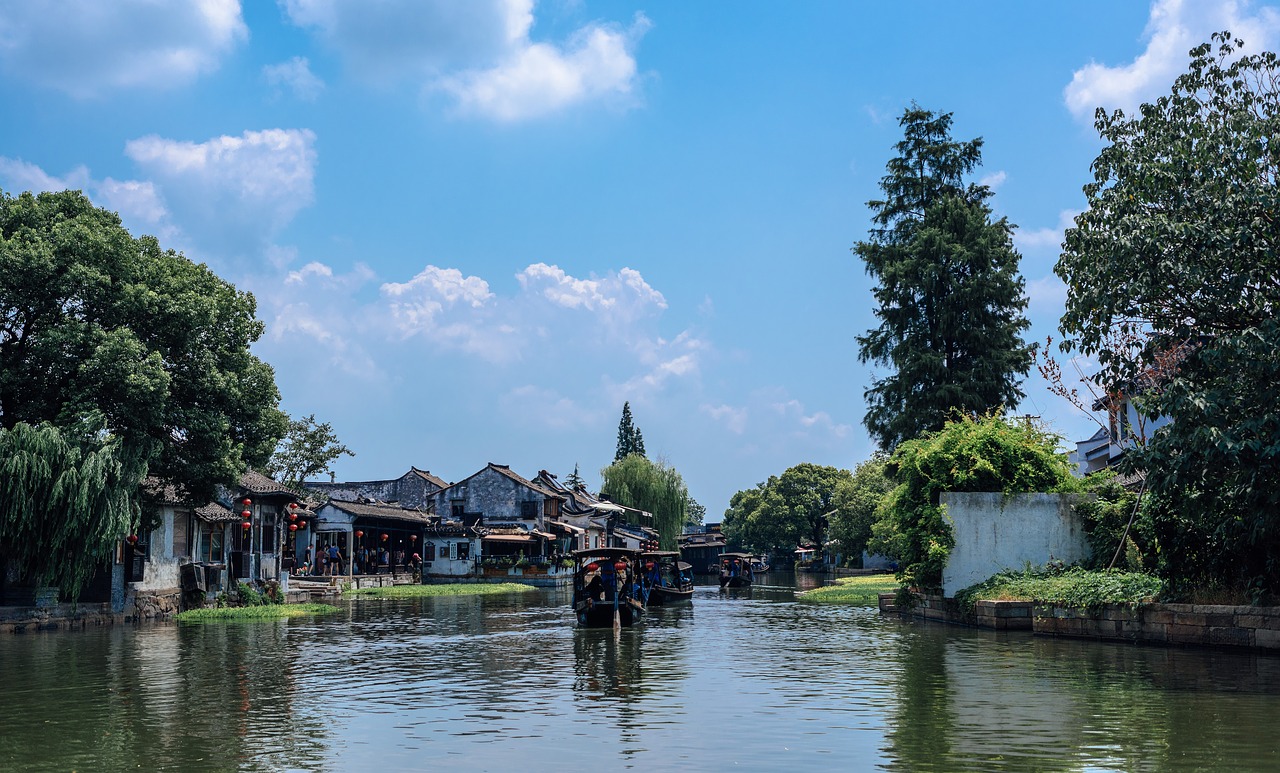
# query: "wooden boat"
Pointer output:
{"type": "Point", "coordinates": [605, 584]}
{"type": "Point", "coordinates": [735, 570]}
{"type": "Point", "coordinates": [665, 579]}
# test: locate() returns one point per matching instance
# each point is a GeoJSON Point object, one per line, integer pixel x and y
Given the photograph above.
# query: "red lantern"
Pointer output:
{"type": "Point", "coordinates": [246, 515]}
{"type": "Point", "coordinates": [293, 527]}
{"type": "Point", "coordinates": [132, 539]}
{"type": "Point", "coordinates": [293, 505]}
{"type": "Point", "coordinates": [359, 534]}
{"type": "Point", "coordinates": [246, 525]}
{"type": "Point", "coordinates": [413, 537]}
{"type": "Point", "coordinates": [648, 566]}
{"type": "Point", "coordinates": [293, 516]}
{"type": "Point", "coordinates": [384, 537]}
{"type": "Point", "coordinates": [591, 567]}
{"type": "Point", "coordinates": [302, 524]}
{"type": "Point", "coordinates": [620, 567]}
{"type": "Point", "coordinates": [246, 501]}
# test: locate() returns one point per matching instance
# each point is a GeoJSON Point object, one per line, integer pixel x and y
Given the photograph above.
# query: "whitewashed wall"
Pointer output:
{"type": "Point", "coordinates": [994, 532]}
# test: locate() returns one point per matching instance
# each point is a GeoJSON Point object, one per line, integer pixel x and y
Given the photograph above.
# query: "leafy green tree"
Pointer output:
{"type": "Point", "coordinates": [129, 351]}
{"type": "Point", "coordinates": [969, 454]}
{"type": "Point", "coordinates": [1177, 252]}
{"type": "Point", "coordinates": [630, 440]}
{"type": "Point", "coordinates": [309, 448]}
{"type": "Point", "coordinates": [856, 502]}
{"type": "Point", "coordinates": [97, 324]}
{"type": "Point", "coordinates": [66, 498]}
{"type": "Point", "coordinates": [655, 487]}
{"type": "Point", "coordinates": [697, 513]}
{"type": "Point", "coordinates": [786, 509]}
{"type": "Point", "coordinates": [949, 298]}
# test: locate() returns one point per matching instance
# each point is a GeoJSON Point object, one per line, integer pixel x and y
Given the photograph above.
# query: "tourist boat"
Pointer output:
{"type": "Point", "coordinates": [605, 585]}
{"type": "Point", "coordinates": [735, 570]}
{"type": "Point", "coordinates": [759, 565]}
{"type": "Point", "coordinates": [665, 579]}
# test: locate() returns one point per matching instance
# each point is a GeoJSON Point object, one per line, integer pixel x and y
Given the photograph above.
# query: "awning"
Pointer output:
{"type": "Point", "coordinates": [507, 538]}
{"type": "Point", "coordinates": [610, 507]}
{"type": "Point", "coordinates": [542, 534]}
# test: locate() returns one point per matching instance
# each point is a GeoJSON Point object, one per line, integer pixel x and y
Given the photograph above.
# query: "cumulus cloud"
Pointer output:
{"type": "Point", "coordinates": [994, 180]}
{"type": "Point", "coordinates": [1174, 28]}
{"type": "Point", "coordinates": [232, 194]}
{"type": "Point", "coordinates": [1040, 239]}
{"type": "Point", "coordinates": [794, 412]}
{"type": "Point", "coordinates": [87, 48]}
{"type": "Point", "coordinates": [479, 53]}
{"type": "Point", "coordinates": [620, 297]}
{"type": "Point", "coordinates": [296, 76]}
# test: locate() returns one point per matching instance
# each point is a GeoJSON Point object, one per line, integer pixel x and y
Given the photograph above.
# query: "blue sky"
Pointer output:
{"type": "Point", "coordinates": [475, 228]}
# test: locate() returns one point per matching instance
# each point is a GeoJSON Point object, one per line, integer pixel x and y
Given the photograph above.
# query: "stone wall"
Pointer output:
{"type": "Point", "coordinates": [995, 532]}
{"type": "Point", "coordinates": [154, 605]}
{"type": "Point", "coordinates": [1196, 624]}
{"type": "Point", "coordinates": [58, 617]}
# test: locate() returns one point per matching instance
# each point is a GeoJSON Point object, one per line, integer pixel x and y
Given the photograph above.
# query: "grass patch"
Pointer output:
{"type": "Point", "coordinates": [264, 612]}
{"type": "Point", "coordinates": [863, 591]}
{"type": "Point", "coordinates": [1073, 587]}
{"type": "Point", "coordinates": [450, 589]}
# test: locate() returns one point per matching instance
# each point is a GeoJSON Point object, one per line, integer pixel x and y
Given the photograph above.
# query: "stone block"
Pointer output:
{"type": "Point", "coordinates": [1188, 634]}
{"type": "Point", "coordinates": [1189, 618]}
{"type": "Point", "coordinates": [1231, 637]}
{"type": "Point", "coordinates": [1156, 615]}
{"type": "Point", "coordinates": [1267, 638]}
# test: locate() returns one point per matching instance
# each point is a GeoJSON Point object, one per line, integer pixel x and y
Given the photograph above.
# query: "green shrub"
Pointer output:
{"type": "Point", "coordinates": [1068, 587]}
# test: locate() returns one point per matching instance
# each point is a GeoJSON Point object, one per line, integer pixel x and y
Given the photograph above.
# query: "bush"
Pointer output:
{"type": "Point", "coordinates": [1073, 587]}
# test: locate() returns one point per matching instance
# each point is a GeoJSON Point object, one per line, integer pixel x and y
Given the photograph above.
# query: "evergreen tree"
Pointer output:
{"type": "Point", "coordinates": [575, 481]}
{"type": "Point", "coordinates": [630, 441]}
{"type": "Point", "coordinates": [950, 299]}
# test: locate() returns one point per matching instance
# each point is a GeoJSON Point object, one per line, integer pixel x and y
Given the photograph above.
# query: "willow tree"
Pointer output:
{"type": "Point", "coordinates": [949, 298]}
{"type": "Point", "coordinates": [91, 484]}
{"type": "Point", "coordinates": [656, 487]}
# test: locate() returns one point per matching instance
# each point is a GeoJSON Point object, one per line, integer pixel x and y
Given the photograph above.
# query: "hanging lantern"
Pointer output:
{"type": "Point", "coordinates": [591, 567]}
{"type": "Point", "coordinates": [384, 537]}
{"type": "Point", "coordinates": [132, 539]}
{"type": "Point", "coordinates": [359, 534]}
{"type": "Point", "coordinates": [293, 516]}
{"type": "Point", "coordinates": [246, 501]}
{"type": "Point", "coordinates": [246, 515]}
{"type": "Point", "coordinates": [293, 527]}
{"type": "Point", "coordinates": [413, 537]}
{"type": "Point", "coordinates": [302, 524]}
{"type": "Point", "coordinates": [293, 505]}
{"type": "Point", "coordinates": [620, 567]}
{"type": "Point", "coordinates": [247, 525]}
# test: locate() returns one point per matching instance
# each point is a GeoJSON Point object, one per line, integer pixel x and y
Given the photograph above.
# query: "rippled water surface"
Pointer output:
{"type": "Point", "coordinates": [748, 680]}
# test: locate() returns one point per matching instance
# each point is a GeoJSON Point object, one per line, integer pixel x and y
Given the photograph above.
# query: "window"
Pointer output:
{"type": "Point", "coordinates": [528, 510]}
{"type": "Point", "coordinates": [181, 540]}
{"type": "Point", "coordinates": [210, 547]}
{"type": "Point", "coordinates": [461, 551]}
{"type": "Point", "coordinates": [444, 551]}
{"type": "Point", "coordinates": [268, 532]}
{"type": "Point", "coordinates": [457, 507]}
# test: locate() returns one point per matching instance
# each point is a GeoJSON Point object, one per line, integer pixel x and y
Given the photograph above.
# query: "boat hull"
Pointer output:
{"type": "Point", "coordinates": [600, 615]}
{"type": "Point", "coordinates": [664, 597]}
{"type": "Point", "coordinates": [735, 582]}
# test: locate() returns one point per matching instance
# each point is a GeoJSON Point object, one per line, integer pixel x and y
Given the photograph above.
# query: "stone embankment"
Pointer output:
{"type": "Point", "coordinates": [1208, 625]}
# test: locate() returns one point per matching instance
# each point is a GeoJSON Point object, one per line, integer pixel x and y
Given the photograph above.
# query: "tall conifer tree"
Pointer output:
{"type": "Point", "coordinates": [950, 299]}
{"type": "Point", "coordinates": [630, 441]}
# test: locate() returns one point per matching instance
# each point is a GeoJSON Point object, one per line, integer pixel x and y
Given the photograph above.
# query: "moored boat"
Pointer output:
{"type": "Point", "coordinates": [605, 583]}
{"type": "Point", "coordinates": [665, 579]}
{"type": "Point", "coordinates": [735, 570]}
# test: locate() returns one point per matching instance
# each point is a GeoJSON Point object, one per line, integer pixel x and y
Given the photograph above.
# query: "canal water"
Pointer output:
{"type": "Point", "coordinates": [748, 680]}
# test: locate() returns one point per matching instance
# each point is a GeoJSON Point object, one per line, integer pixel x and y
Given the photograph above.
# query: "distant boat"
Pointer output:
{"type": "Point", "coordinates": [665, 579]}
{"type": "Point", "coordinates": [605, 581]}
{"type": "Point", "coordinates": [735, 570]}
{"type": "Point", "coordinates": [759, 565]}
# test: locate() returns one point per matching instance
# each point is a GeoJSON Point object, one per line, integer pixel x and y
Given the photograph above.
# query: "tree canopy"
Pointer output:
{"type": "Point", "coordinates": [949, 297]}
{"type": "Point", "coordinates": [786, 510]}
{"type": "Point", "coordinates": [655, 487]}
{"type": "Point", "coordinates": [1177, 252]}
{"type": "Point", "coordinates": [309, 448]}
{"type": "Point", "coordinates": [856, 504]}
{"type": "Point", "coordinates": [630, 440]}
{"type": "Point", "coordinates": [97, 326]}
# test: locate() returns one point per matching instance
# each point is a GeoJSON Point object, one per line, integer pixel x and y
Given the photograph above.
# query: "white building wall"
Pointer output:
{"type": "Point", "coordinates": [995, 532]}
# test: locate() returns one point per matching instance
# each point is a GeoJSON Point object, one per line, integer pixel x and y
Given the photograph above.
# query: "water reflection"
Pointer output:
{"type": "Point", "coordinates": [750, 681]}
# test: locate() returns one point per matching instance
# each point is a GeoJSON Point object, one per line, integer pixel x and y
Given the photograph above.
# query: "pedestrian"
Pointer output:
{"type": "Point", "coordinates": [306, 561]}
{"type": "Point", "coordinates": [335, 559]}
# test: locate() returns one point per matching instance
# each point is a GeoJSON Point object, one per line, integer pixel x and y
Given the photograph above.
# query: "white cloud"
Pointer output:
{"type": "Point", "coordinates": [537, 78]}
{"type": "Point", "coordinates": [619, 298]}
{"type": "Point", "coordinates": [1047, 292]}
{"type": "Point", "coordinates": [86, 48]}
{"type": "Point", "coordinates": [1174, 28]}
{"type": "Point", "coordinates": [734, 419]}
{"type": "Point", "coordinates": [311, 269]}
{"type": "Point", "coordinates": [994, 180]}
{"type": "Point", "coordinates": [793, 411]}
{"type": "Point", "coordinates": [479, 52]}
{"type": "Point", "coordinates": [440, 304]}
{"type": "Point", "coordinates": [232, 194]}
{"type": "Point", "coordinates": [1045, 238]}
{"type": "Point", "coordinates": [536, 406]}
{"type": "Point", "coordinates": [296, 76]}
{"type": "Point", "coordinates": [19, 176]}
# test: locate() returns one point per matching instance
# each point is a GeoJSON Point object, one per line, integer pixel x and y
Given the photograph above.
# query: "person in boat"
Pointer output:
{"type": "Point", "coordinates": [595, 587]}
